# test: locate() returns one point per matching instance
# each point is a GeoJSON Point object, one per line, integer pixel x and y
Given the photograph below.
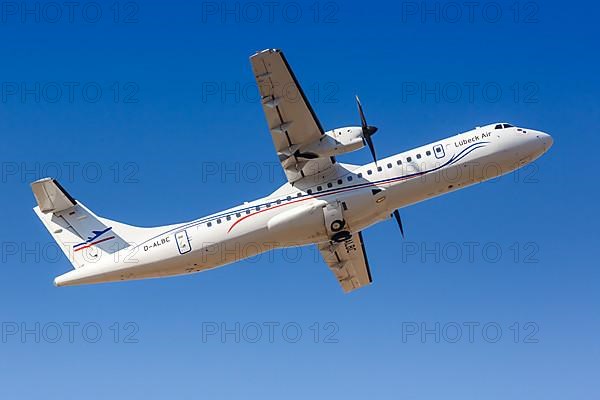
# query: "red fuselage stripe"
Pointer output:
{"type": "Point", "coordinates": [321, 195]}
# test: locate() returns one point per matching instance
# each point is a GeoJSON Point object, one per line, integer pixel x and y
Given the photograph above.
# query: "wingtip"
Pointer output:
{"type": "Point", "coordinates": [260, 52]}
{"type": "Point", "coordinates": [41, 180]}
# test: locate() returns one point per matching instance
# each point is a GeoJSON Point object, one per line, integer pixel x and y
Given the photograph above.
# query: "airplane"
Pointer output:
{"type": "Point", "coordinates": [324, 202]}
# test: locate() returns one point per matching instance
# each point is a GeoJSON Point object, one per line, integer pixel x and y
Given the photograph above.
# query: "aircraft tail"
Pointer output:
{"type": "Point", "coordinates": [84, 237]}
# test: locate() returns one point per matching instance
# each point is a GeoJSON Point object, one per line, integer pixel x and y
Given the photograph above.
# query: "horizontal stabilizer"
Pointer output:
{"type": "Point", "coordinates": [51, 197]}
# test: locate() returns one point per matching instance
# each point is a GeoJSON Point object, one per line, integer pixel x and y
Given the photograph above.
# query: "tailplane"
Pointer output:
{"type": "Point", "coordinates": [84, 237]}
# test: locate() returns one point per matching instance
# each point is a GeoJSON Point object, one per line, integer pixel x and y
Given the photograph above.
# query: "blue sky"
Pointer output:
{"type": "Point", "coordinates": [148, 114]}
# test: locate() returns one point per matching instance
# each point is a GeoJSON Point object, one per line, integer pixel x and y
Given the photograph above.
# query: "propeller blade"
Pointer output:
{"type": "Point", "coordinates": [367, 131]}
{"type": "Point", "coordinates": [399, 220]}
{"type": "Point", "coordinates": [363, 120]}
{"type": "Point", "coordinates": [371, 147]}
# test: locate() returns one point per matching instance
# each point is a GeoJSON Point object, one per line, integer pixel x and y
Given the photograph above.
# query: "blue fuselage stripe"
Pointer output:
{"type": "Point", "coordinates": [454, 159]}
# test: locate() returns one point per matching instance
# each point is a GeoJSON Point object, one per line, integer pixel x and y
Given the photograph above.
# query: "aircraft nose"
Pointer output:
{"type": "Point", "coordinates": [546, 140]}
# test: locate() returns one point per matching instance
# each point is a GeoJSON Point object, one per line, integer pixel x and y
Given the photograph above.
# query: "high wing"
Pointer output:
{"type": "Point", "coordinates": [348, 261]}
{"type": "Point", "coordinates": [291, 119]}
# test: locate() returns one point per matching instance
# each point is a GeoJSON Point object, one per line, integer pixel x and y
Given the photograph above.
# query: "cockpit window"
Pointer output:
{"type": "Point", "coordinates": [499, 126]}
{"type": "Point", "coordinates": [507, 126]}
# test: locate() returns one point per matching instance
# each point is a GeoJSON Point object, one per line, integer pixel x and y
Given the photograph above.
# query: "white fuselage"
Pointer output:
{"type": "Point", "coordinates": [293, 215]}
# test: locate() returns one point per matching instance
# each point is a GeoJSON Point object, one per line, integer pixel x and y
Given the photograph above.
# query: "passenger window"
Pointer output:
{"type": "Point", "coordinates": [209, 224]}
{"type": "Point", "coordinates": [257, 208]}
{"type": "Point", "coordinates": [389, 165]}
{"type": "Point", "coordinates": [340, 181]}
{"type": "Point", "coordinates": [289, 198]}
{"type": "Point", "coordinates": [379, 169]}
{"type": "Point", "coordinates": [238, 215]}
{"type": "Point", "coordinates": [319, 188]}
{"type": "Point", "coordinates": [309, 191]}
{"type": "Point", "coordinates": [349, 178]}
{"type": "Point", "coordinates": [418, 156]}
{"type": "Point", "coordinates": [247, 212]}
{"type": "Point", "coordinates": [369, 172]}
{"type": "Point", "coordinates": [228, 218]}
{"type": "Point", "coordinates": [219, 221]}
{"type": "Point", "coordinates": [359, 175]}
{"type": "Point", "coordinates": [428, 152]}
{"type": "Point", "coordinates": [329, 185]}
{"type": "Point", "coordinates": [408, 159]}
{"type": "Point", "coordinates": [399, 162]}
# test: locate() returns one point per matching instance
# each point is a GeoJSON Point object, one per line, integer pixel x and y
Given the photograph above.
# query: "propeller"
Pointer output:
{"type": "Point", "coordinates": [399, 220]}
{"type": "Point", "coordinates": [367, 130]}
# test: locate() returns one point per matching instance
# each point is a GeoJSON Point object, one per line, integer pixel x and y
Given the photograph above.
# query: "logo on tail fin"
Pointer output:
{"type": "Point", "coordinates": [91, 240]}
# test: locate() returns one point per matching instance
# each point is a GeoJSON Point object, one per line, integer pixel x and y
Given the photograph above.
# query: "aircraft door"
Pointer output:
{"type": "Point", "coordinates": [438, 150]}
{"type": "Point", "coordinates": [183, 242]}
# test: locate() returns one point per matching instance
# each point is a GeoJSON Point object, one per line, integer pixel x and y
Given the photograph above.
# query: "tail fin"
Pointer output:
{"type": "Point", "coordinates": [84, 237]}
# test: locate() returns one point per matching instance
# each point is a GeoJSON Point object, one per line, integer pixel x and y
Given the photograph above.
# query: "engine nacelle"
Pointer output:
{"type": "Point", "coordinates": [300, 225]}
{"type": "Point", "coordinates": [315, 222]}
{"type": "Point", "coordinates": [335, 142]}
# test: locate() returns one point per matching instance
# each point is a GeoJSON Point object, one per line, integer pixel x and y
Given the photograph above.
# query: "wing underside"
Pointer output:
{"type": "Point", "coordinates": [291, 119]}
{"type": "Point", "coordinates": [348, 261]}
